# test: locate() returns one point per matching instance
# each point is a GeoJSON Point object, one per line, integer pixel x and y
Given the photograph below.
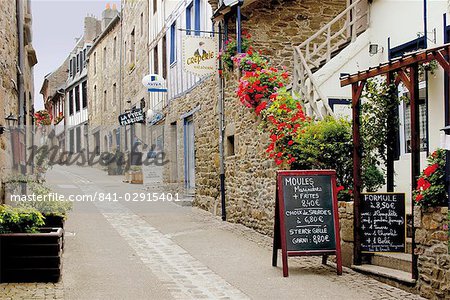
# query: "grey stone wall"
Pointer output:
{"type": "Point", "coordinates": [346, 232]}
{"type": "Point", "coordinates": [433, 252]}
{"type": "Point", "coordinates": [8, 79]}
{"type": "Point", "coordinates": [276, 26]}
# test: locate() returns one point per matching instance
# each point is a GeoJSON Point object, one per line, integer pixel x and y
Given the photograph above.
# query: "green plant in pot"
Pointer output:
{"type": "Point", "coordinates": [54, 211]}
{"type": "Point", "coordinates": [20, 220]}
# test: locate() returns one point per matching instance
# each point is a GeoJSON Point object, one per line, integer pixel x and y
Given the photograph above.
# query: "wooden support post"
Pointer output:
{"type": "Point", "coordinates": [357, 89]}
{"type": "Point", "coordinates": [415, 149]}
{"type": "Point", "coordinates": [390, 142]}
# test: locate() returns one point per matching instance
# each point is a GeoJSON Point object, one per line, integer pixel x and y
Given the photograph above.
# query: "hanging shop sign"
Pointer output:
{"type": "Point", "coordinates": [154, 83]}
{"type": "Point", "coordinates": [154, 117]}
{"type": "Point", "coordinates": [306, 216]}
{"type": "Point", "coordinates": [131, 117]}
{"type": "Point", "coordinates": [200, 55]}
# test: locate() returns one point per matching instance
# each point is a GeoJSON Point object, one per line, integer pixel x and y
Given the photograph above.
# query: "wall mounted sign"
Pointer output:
{"type": "Point", "coordinates": [131, 117]}
{"type": "Point", "coordinates": [200, 55]}
{"type": "Point", "coordinates": [154, 83]}
{"type": "Point", "coordinates": [306, 216]}
{"type": "Point", "coordinates": [383, 222]}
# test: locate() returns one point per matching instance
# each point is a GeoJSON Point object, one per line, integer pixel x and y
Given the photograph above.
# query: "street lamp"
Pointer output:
{"type": "Point", "coordinates": [11, 120]}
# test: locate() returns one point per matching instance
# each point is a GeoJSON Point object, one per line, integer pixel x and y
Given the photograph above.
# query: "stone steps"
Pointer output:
{"type": "Point", "coordinates": [397, 261]}
{"type": "Point", "coordinates": [386, 275]}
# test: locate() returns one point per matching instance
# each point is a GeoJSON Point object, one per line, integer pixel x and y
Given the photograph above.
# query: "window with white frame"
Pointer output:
{"type": "Point", "coordinates": [405, 119]}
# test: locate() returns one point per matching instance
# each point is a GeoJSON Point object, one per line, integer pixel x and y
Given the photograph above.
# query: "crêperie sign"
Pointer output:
{"type": "Point", "coordinates": [383, 226]}
{"type": "Point", "coordinates": [306, 218]}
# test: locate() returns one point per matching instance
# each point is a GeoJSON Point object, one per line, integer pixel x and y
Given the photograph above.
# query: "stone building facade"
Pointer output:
{"type": "Point", "coordinates": [76, 108]}
{"type": "Point", "coordinates": [53, 94]}
{"type": "Point", "coordinates": [104, 84]}
{"type": "Point", "coordinates": [275, 26]}
{"type": "Point", "coordinates": [135, 64]}
{"type": "Point", "coordinates": [18, 58]}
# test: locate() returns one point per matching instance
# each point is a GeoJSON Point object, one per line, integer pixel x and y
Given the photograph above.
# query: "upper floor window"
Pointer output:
{"type": "Point", "coordinates": [77, 98]}
{"type": "Point", "coordinates": [95, 62]}
{"type": "Point", "coordinates": [173, 32]}
{"type": "Point", "coordinates": [155, 6]}
{"type": "Point", "coordinates": [155, 60]}
{"type": "Point", "coordinates": [104, 57]}
{"type": "Point", "coordinates": [70, 68]}
{"type": "Point", "coordinates": [84, 94]}
{"type": "Point", "coordinates": [78, 62]}
{"type": "Point", "coordinates": [197, 17]}
{"type": "Point", "coordinates": [71, 102]}
{"type": "Point", "coordinates": [189, 12]}
{"type": "Point", "coordinates": [115, 47]}
{"type": "Point", "coordinates": [142, 24]}
{"type": "Point", "coordinates": [132, 47]}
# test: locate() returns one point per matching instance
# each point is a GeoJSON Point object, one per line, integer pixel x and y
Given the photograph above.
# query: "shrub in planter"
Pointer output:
{"type": "Point", "coordinates": [430, 190]}
{"type": "Point", "coordinates": [28, 253]}
{"type": "Point", "coordinates": [54, 212]}
{"type": "Point", "coordinates": [20, 219]}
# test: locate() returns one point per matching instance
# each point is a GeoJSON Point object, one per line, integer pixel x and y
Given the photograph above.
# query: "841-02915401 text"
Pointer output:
{"type": "Point", "coordinates": [129, 197]}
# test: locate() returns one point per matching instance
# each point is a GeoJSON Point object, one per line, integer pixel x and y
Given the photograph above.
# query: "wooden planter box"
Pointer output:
{"type": "Point", "coordinates": [31, 257]}
{"type": "Point", "coordinates": [137, 178]}
{"type": "Point", "coordinates": [54, 221]}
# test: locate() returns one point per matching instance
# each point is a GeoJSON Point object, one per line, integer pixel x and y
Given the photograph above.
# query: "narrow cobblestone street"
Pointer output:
{"type": "Point", "coordinates": [160, 250]}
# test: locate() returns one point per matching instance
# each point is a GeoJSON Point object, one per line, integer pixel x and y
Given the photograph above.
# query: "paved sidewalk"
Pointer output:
{"type": "Point", "coordinates": [159, 250]}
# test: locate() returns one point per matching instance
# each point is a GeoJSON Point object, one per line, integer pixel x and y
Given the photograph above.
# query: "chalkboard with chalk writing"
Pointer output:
{"type": "Point", "coordinates": [308, 212]}
{"type": "Point", "coordinates": [383, 226]}
{"type": "Point", "coordinates": [306, 217]}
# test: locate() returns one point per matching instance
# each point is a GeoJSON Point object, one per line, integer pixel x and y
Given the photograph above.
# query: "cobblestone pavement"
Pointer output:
{"type": "Point", "coordinates": [12, 291]}
{"type": "Point", "coordinates": [194, 255]}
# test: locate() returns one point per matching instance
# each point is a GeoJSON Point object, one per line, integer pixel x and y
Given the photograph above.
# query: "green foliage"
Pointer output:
{"type": "Point", "coordinates": [430, 190]}
{"type": "Point", "coordinates": [231, 50]}
{"type": "Point", "coordinates": [327, 144]}
{"type": "Point", "coordinates": [46, 207]}
{"type": "Point", "coordinates": [378, 120]}
{"type": "Point", "coordinates": [19, 220]}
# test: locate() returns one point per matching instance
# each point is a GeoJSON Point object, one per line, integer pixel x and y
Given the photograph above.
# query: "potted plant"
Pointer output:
{"type": "Point", "coordinates": [54, 211]}
{"type": "Point", "coordinates": [28, 253]}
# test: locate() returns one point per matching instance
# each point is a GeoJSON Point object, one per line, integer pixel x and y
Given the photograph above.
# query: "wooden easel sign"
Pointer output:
{"type": "Point", "coordinates": [306, 216]}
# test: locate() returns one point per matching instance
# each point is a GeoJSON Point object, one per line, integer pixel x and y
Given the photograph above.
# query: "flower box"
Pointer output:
{"type": "Point", "coordinates": [31, 257]}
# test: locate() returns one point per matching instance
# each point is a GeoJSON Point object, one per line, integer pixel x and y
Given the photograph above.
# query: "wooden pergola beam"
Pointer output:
{"type": "Point", "coordinates": [421, 56]}
{"type": "Point", "coordinates": [357, 89]}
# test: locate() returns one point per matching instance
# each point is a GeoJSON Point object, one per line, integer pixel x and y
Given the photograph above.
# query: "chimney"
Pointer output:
{"type": "Point", "coordinates": [108, 15]}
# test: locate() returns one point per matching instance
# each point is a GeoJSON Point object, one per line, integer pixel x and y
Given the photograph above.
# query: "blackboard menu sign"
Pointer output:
{"type": "Point", "coordinates": [383, 226]}
{"type": "Point", "coordinates": [306, 218]}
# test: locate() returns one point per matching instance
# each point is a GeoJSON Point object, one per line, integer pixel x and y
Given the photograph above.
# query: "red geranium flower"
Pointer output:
{"type": "Point", "coordinates": [419, 197]}
{"type": "Point", "coordinates": [423, 184]}
{"type": "Point", "coordinates": [340, 188]}
{"type": "Point", "coordinates": [431, 169]}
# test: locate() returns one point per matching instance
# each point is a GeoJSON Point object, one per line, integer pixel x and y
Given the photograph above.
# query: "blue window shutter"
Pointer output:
{"type": "Point", "coordinates": [188, 19]}
{"type": "Point", "coordinates": [172, 43]}
{"type": "Point", "coordinates": [197, 17]}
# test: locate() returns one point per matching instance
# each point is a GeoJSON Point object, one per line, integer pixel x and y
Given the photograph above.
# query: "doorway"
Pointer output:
{"type": "Point", "coordinates": [189, 154]}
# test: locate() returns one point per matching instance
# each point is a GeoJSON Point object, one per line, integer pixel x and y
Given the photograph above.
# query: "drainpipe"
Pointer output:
{"type": "Point", "coordinates": [120, 73]}
{"type": "Point", "coordinates": [221, 130]}
{"type": "Point", "coordinates": [20, 79]}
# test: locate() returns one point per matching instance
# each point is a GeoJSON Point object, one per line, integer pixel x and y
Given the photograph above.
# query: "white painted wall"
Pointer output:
{"type": "Point", "coordinates": [401, 20]}
{"type": "Point", "coordinates": [178, 81]}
